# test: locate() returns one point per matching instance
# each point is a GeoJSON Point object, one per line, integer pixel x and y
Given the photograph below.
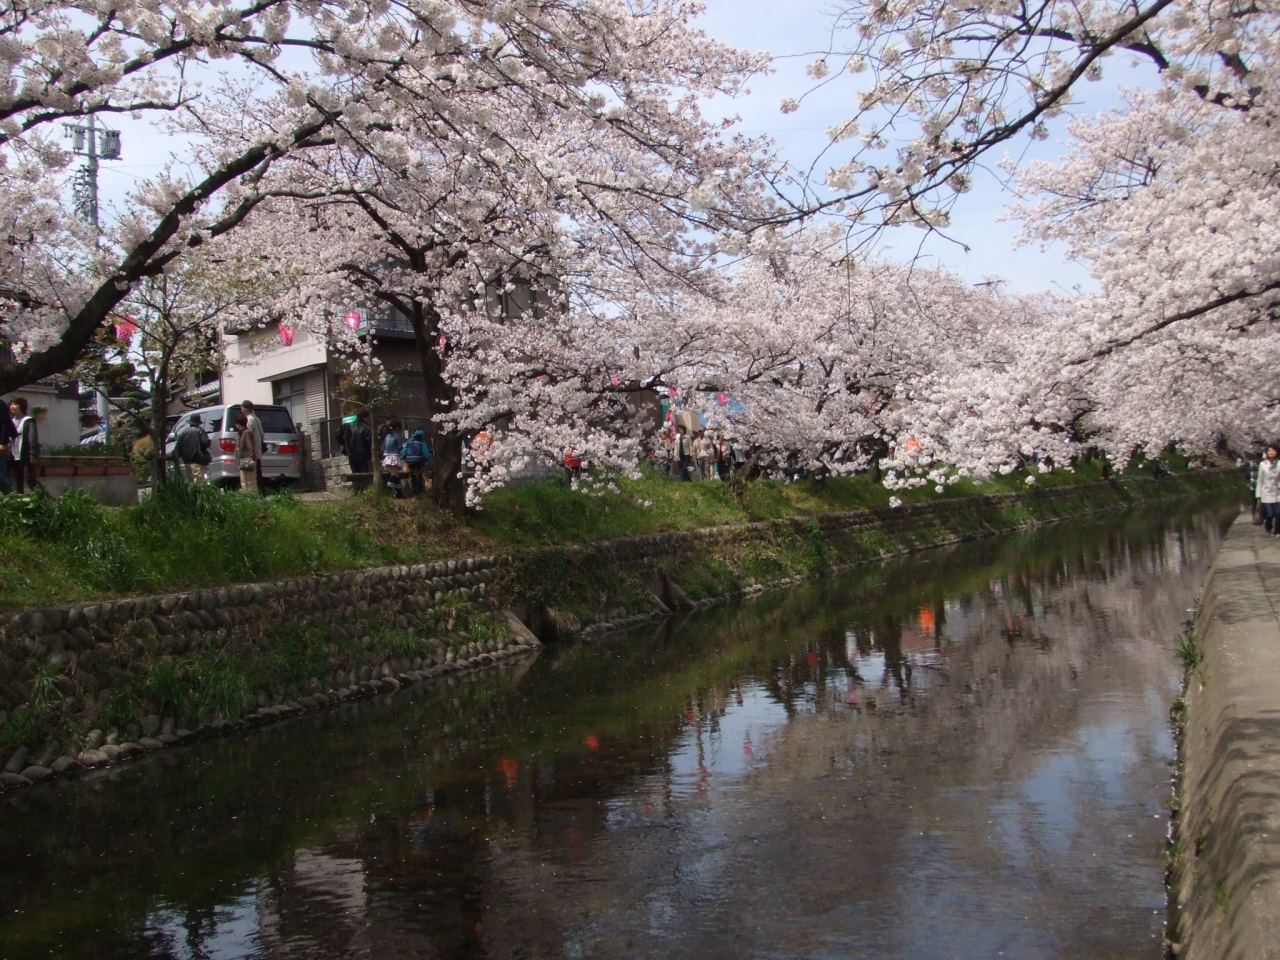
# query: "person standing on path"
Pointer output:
{"type": "Point", "coordinates": [393, 459]}
{"type": "Point", "coordinates": [192, 448]}
{"type": "Point", "coordinates": [8, 439]}
{"type": "Point", "coordinates": [702, 453]}
{"type": "Point", "coordinates": [245, 452]}
{"type": "Point", "coordinates": [684, 452]}
{"type": "Point", "coordinates": [258, 438]}
{"type": "Point", "coordinates": [356, 440]}
{"type": "Point", "coordinates": [1267, 490]}
{"type": "Point", "coordinates": [26, 449]}
{"type": "Point", "coordinates": [416, 454]}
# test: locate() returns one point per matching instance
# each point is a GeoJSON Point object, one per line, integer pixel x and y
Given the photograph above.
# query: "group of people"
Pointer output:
{"type": "Point", "coordinates": [404, 460]}
{"type": "Point", "coordinates": [19, 447]}
{"type": "Point", "coordinates": [193, 447]}
{"type": "Point", "coordinates": [699, 457]}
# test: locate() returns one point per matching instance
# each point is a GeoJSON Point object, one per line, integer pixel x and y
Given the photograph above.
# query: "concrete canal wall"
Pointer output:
{"type": "Point", "coordinates": [87, 685]}
{"type": "Point", "coordinates": [1225, 881]}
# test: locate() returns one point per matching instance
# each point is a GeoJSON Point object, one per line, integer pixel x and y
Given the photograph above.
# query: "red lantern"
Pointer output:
{"type": "Point", "coordinates": [354, 319]}
{"type": "Point", "coordinates": [126, 327]}
{"type": "Point", "coordinates": [286, 334]}
{"type": "Point", "coordinates": [722, 399]}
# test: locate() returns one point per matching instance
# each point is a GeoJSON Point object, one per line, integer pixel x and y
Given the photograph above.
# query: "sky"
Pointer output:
{"type": "Point", "coordinates": [795, 32]}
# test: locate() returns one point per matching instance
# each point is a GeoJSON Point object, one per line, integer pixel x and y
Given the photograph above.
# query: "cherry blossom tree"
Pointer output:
{"type": "Point", "coordinates": [251, 84]}
{"type": "Point", "coordinates": [831, 363]}
{"type": "Point", "coordinates": [946, 84]}
{"type": "Point", "coordinates": [1173, 202]}
{"type": "Point", "coordinates": [1170, 199]}
{"type": "Point", "coordinates": [517, 247]}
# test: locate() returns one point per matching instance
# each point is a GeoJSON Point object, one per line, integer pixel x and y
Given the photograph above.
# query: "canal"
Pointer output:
{"type": "Point", "coordinates": [965, 753]}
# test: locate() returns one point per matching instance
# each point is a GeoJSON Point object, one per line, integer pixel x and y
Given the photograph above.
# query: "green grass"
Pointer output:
{"type": "Point", "coordinates": [1189, 651]}
{"type": "Point", "coordinates": [551, 511]}
{"type": "Point", "coordinates": [186, 536]}
{"type": "Point", "coordinates": [70, 548]}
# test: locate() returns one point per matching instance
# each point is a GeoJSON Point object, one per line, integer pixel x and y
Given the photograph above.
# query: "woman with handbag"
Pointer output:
{"type": "Point", "coordinates": [1267, 490]}
{"type": "Point", "coordinates": [246, 451]}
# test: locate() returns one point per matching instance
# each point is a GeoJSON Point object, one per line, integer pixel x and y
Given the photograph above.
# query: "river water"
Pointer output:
{"type": "Point", "coordinates": [963, 754]}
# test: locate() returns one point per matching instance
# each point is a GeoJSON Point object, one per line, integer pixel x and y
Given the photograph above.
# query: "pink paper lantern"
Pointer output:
{"type": "Point", "coordinates": [286, 334]}
{"type": "Point", "coordinates": [126, 327]}
{"type": "Point", "coordinates": [353, 319]}
{"type": "Point", "coordinates": [722, 399]}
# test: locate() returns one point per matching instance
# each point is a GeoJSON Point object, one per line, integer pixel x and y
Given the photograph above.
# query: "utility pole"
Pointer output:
{"type": "Point", "coordinates": [85, 142]}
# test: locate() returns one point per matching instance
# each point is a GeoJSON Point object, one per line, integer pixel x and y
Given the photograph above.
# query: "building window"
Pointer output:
{"type": "Point", "coordinates": [518, 301]}
{"type": "Point", "coordinates": [291, 394]}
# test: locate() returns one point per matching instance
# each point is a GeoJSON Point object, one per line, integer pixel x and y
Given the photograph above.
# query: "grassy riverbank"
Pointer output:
{"type": "Point", "coordinates": [71, 550]}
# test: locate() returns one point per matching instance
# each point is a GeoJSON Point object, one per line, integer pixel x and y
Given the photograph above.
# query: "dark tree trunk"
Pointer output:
{"type": "Point", "coordinates": [877, 450]}
{"type": "Point", "coordinates": [375, 460]}
{"type": "Point", "coordinates": [449, 489]}
{"type": "Point", "coordinates": [159, 414]}
{"type": "Point", "coordinates": [447, 486]}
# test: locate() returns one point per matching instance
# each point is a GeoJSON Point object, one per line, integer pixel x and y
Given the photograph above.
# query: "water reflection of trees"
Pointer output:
{"type": "Point", "coordinates": [453, 825]}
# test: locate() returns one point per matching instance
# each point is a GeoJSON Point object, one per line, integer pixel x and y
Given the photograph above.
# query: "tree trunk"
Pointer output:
{"type": "Point", "coordinates": [877, 450]}
{"type": "Point", "coordinates": [375, 461]}
{"type": "Point", "coordinates": [447, 488]}
{"type": "Point", "coordinates": [159, 414]}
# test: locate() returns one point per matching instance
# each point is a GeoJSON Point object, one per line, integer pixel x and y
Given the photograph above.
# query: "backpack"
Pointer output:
{"type": "Point", "coordinates": [415, 452]}
{"type": "Point", "coordinates": [203, 456]}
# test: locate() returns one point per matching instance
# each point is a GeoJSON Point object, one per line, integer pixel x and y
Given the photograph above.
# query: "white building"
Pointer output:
{"type": "Point", "coordinates": [259, 366]}
{"type": "Point", "coordinates": [56, 409]}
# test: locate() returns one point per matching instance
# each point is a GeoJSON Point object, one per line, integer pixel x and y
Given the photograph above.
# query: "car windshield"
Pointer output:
{"type": "Point", "coordinates": [275, 421]}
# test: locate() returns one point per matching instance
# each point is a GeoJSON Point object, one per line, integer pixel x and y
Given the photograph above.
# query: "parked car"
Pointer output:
{"type": "Point", "coordinates": [282, 445]}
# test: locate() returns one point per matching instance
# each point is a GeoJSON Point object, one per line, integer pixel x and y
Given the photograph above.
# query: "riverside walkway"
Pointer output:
{"type": "Point", "coordinates": [1226, 880]}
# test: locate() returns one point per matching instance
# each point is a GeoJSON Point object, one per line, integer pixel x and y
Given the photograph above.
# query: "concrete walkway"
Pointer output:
{"type": "Point", "coordinates": [1226, 882]}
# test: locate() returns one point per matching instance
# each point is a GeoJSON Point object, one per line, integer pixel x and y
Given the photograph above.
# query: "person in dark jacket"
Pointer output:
{"type": "Point", "coordinates": [26, 449]}
{"type": "Point", "coordinates": [193, 448]}
{"type": "Point", "coordinates": [8, 440]}
{"type": "Point", "coordinates": [355, 439]}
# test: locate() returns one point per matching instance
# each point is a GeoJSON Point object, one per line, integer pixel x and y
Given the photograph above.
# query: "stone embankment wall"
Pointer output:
{"type": "Point", "coordinates": [79, 654]}
{"type": "Point", "coordinates": [65, 671]}
{"type": "Point", "coordinates": [1224, 882]}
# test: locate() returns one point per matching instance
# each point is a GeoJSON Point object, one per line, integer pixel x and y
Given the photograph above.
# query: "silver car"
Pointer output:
{"type": "Point", "coordinates": [282, 446]}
